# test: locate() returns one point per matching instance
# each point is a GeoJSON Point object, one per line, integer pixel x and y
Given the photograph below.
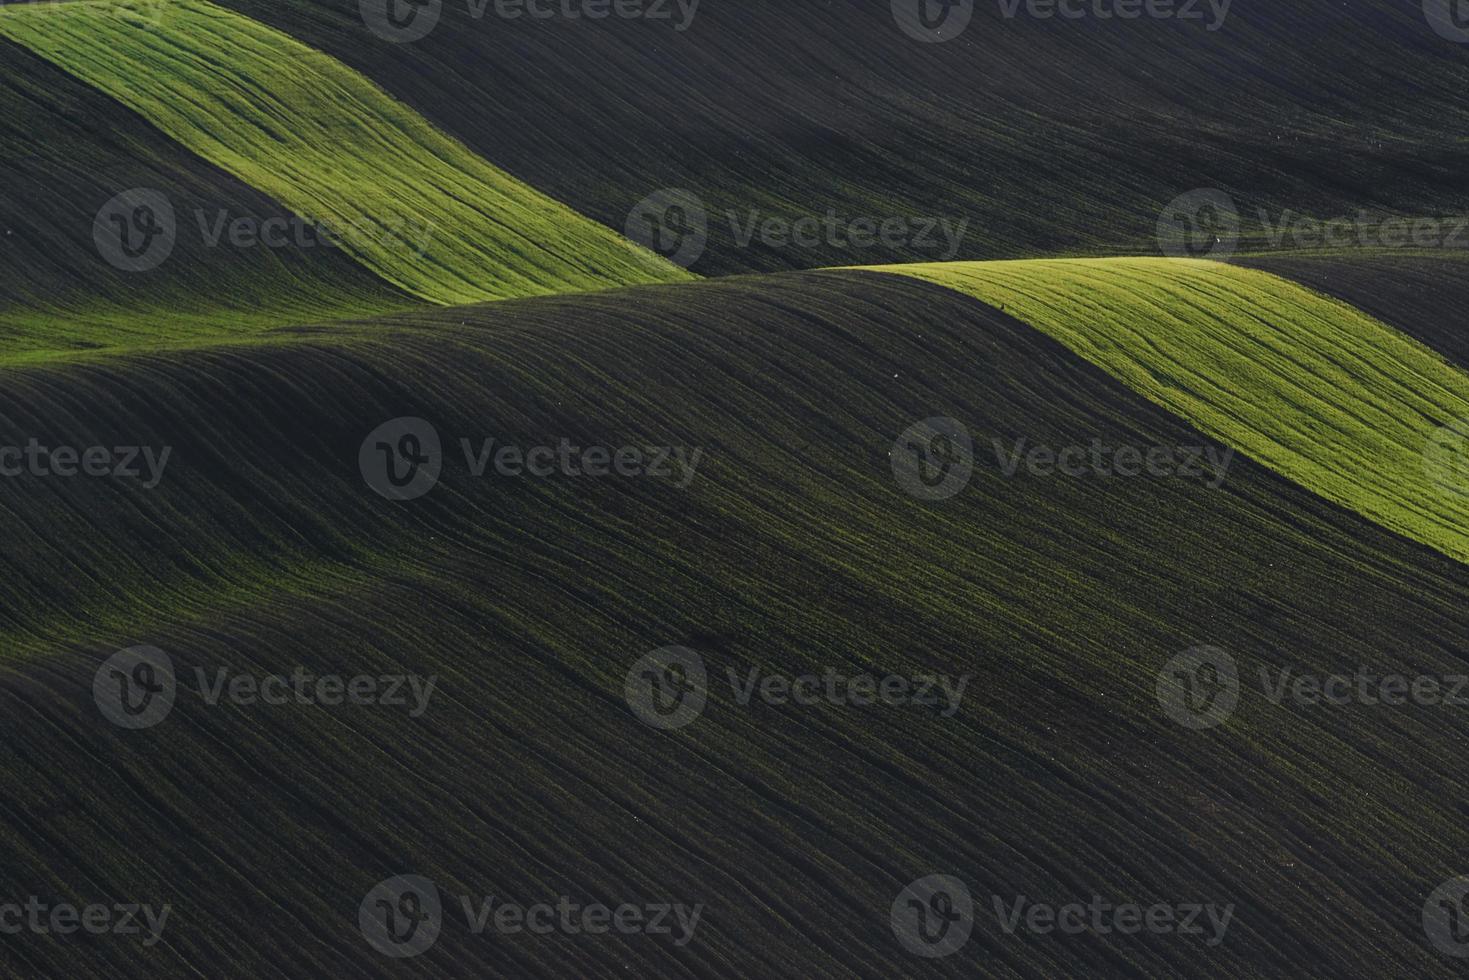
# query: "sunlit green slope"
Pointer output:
{"type": "Point", "coordinates": [66, 152]}
{"type": "Point", "coordinates": [408, 202]}
{"type": "Point", "coordinates": [1311, 387]}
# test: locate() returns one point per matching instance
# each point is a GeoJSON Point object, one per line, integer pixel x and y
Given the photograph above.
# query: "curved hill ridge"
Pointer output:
{"type": "Point", "coordinates": [1050, 136]}
{"type": "Point", "coordinates": [792, 550]}
{"type": "Point", "coordinates": [1311, 387]}
{"type": "Point", "coordinates": [66, 151]}
{"type": "Point", "coordinates": [1425, 295]}
{"type": "Point", "coordinates": [409, 203]}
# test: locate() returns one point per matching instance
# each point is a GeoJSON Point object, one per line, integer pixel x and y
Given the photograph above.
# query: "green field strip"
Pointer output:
{"type": "Point", "coordinates": [1423, 294]}
{"type": "Point", "coordinates": [65, 150]}
{"type": "Point", "coordinates": [1311, 387]}
{"type": "Point", "coordinates": [1063, 144]}
{"type": "Point", "coordinates": [409, 203]}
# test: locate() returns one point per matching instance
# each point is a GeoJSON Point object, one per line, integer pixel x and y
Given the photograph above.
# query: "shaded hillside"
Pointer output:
{"type": "Point", "coordinates": [792, 549]}
{"type": "Point", "coordinates": [1048, 136]}
{"type": "Point", "coordinates": [66, 152]}
{"type": "Point", "coordinates": [1313, 388]}
{"type": "Point", "coordinates": [404, 200]}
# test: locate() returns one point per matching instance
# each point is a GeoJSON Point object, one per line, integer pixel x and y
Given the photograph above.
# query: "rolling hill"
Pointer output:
{"type": "Point", "coordinates": [792, 549]}
{"type": "Point", "coordinates": [1310, 387]}
{"type": "Point", "coordinates": [903, 468]}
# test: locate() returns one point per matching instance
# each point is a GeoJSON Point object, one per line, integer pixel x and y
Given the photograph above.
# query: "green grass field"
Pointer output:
{"type": "Point", "coordinates": [67, 150]}
{"type": "Point", "coordinates": [1311, 387]}
{"type": "Point", "coordinates": [412, 205]}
